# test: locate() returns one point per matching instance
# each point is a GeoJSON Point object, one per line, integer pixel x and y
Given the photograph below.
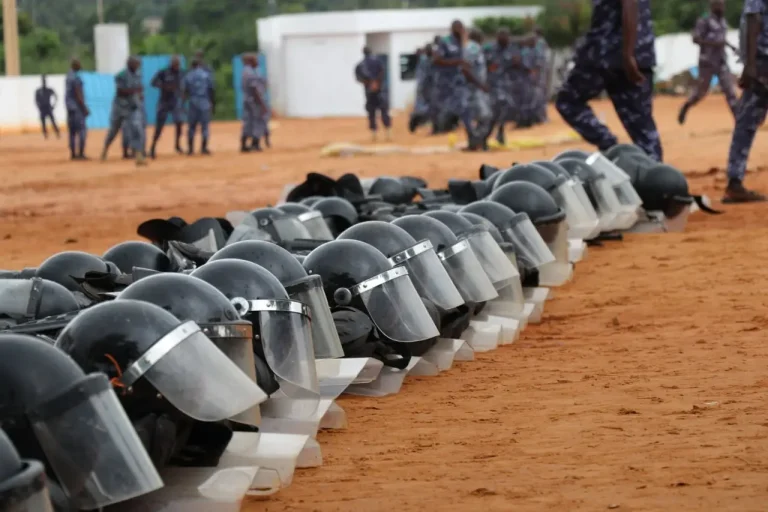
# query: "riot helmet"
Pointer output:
{"type": "Point", "coordinates": [73, 422]}
{"type": "Point", "coordinates": [664, 189]}
{"type": "Point", "coordinates": [495, 263]}
{"type": "Point", "coordinates": [550, 221]}
{"type": "Point", "coordinates": [428, 275]}
{"type": "Point", "coordinates": [338, 213]}
{"type": "Point", "coordinates": [456, 255]}
{"type": "Point", "coordinates": [279, 225]}
{"type": "Point", "coordinates": [311, 219]}
{"type": "Point", "coordinates": [24, 300]}
{"type": "Point", "coordinates": [214, 319]}
{"type": "Point", "coordinates": [281, 326]}
{"type": "Point", "coordinates": [392, 190]}
{"type": "Point", "coordinates": [620, 181]}
{"type": "Point", "coordinates": [599, 191]}
{"type": "Point", "coordinates": [311, 200]}
{"type": "Point", "coordinates": [578, 188]}
{"type": "Point", "coordinates": [23, 486]}
{"type": "Point", "coordinates": [299, 285]}
{"type": "Point", "coordinates": [531, 251]}
{"type": "Point", "coordinates": [358, 275]}
{"type": "Point", "coordinates": [127, 255]}
{"type": "Point", "coordinates": [572, 153]}
{"type": "Point", "coordinates": [67, 267]}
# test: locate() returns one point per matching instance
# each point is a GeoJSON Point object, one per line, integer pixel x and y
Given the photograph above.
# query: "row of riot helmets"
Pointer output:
{"type": "Point", "coordinates": [155, 355]}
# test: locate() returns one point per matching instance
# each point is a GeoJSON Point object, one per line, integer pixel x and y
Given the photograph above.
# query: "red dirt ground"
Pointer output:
{"type": "Point", "coordinates": [643, 389]}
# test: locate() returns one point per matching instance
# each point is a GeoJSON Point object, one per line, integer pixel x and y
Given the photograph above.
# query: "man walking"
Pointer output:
{"type": "Point", "coordinates": [198, 90]}
{"type": "Point", "coordinates": [617, 55]}
{"type": "Point", "coordinates": [255, 109]}
{"type": "Point", "coordinates": [709, 34]}
{"type": "Point", "coordinates": [74, 100]}
{"type": "Point", "coordinates": [168, 80]}
{"type": "Point", "coordinates": [370, 72]}
{"type": "Point", "coordinates": [126, 113]}
{"type": "Point", "coordinates": [45, 99]}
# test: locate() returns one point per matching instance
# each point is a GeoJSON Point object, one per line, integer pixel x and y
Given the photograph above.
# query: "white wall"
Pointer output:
{"type": "Point", "coordinates": [112, 47]}
{"type": "Point", "coordinates": [677, 52]}
{"type": "Point", "coordinates": [319, 76]}
{"type": "Point", "coordinates": [17, 102]}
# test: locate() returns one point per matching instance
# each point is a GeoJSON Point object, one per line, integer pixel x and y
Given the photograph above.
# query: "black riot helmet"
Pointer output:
{"type": "Point", "coordinates": [299, 285]}
{"type": "Point", "coordinates": [477, 220]}
{"type": "Point", "coordinates": [338, 213]}
{"type": "Point", "coordinates": [457, 256]}
{"type": "Point", "coordinates": [23, 300]}
{"type": "Point", "coordinates": [127, 255]}
{"type": "Point", "coordinates": [419, 257]}
{"type": "Point", "coordinates": [311, 219]}
{"type": "Point", "coordinates": [23, 486]}
{"type": "Point", "coordinates": [311, 200]}
{"type": "Point", "coordinates": [598, 189]}
{"type": "Point", "coordinates": [572, 153]}
{"type": "Point", "coordinates": [527, 172]}
{"type": "Point", "coordinates": [358, 275]}
{"type": "Point", "coordinates": [65, 267]}
{"type": "Point", "coordinates": [663, 188]}
{"type": "Point", "coordinates": [282, 328]}
{"type": "Point", "coordinates": [279, 225]}
{"type": "Point", "coordinates": [392, 190]}
{"type": "Point", "coordinates": [492, 258]}
{"type": "Point", "coordinates": [73, 423]}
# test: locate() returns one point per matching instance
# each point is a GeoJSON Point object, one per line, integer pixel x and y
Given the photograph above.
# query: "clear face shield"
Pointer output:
{"type": "Point", "coordinates": [394, 306]}
{"type": "Point", "coordinates": [557, 272]}
{"type": "Point", "coordinates": [27, 491]}
{"type": "Point", "coordinates": [467, 273]}
{"type": "Point", "coordinates": [581, 194]}
{"type": "Point", "coordinates": [608, 208]}
{"type": "Point", "coordinates": [92, 446]}
{"type": "Point", "coordinates": [676, 219]}
{"type": "Point", "coordinates": [581, 222]}
{"type": "Point", "coordinates": [511, 300]}
{"type": "Point", "coordinates": [195, 376]}
{"type": "Point", "coordinates": [285, 333]}
{"type": "Point", "coordinates": [288, 228]}
{"type": "Point", "coordinates": [316, 226]}
{"type": "Point", "coordinates": [246, 228]}
{"type": "Point", "coordinates": [19, 298]}
{"type": "Point", "coordinates": [325, 338]}
{"type": "Point", "coordinates": [428, 275]}
{"type": "Point", "coordinates": [235, 339]}
{"type": "Point", "coordinates": [625, 193]}
{"type": "Point", "coordinates": [491, 257]}
{"type": "Point", "coordinates": [531, 250]}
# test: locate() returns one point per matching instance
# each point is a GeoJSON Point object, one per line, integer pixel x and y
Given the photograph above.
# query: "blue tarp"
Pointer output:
{"type": "Point", "coordinates": [98, 89]}
{"type": "Point", "coordinates": [237, 70]}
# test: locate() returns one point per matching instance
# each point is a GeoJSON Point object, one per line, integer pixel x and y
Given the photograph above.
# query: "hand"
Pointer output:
{"type": "Point", "coordinates": [374, 87]}
{"type": "Point", "coordinates": [632, 71]}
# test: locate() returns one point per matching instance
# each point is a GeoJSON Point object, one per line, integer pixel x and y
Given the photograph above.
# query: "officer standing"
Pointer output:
{"type": "Point", "coordinates": [255, 109]}
{"type": "Point", "coordinates": [45, 99]}
{"type": "Point", "coordinates": [422, 109]}
{"type": "Point", "coordinates": [198, 90]}
{"type": "Point", "coordinates": [479, 99]}
{"type": "Point", "coordinates": [128, 150]}
{"type": "Point", "coordinates": [542, 58]}
{"type": "Point", "coordinates": [500, 77]}
{"type": "Point", "coordinates": [617, 55]}
{"type": "Point", "coordinates": [77, 111]}
{"type": "Point", "coordinates": [752, 109]}
{"type": "Point", "coordinates": [370, 72]}
{"type": "Point", "coordinates": [709, 34]}
{"type": "Point", "coordinates": [528, 84]}
{"type": "Point", "coordinates": [168, 80]}
{"type": "Point", "coordinates": [126, 111]}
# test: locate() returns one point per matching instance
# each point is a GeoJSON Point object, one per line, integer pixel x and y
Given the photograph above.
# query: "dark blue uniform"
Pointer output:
{"type": "Point", "coordinates": [598, 66]}
{"type": "Point", "coordinates": [75, 114]}
{"type": "Point", "coordinates": [371, 68]}
{"type": "Point", "coordinates": [45, 99]}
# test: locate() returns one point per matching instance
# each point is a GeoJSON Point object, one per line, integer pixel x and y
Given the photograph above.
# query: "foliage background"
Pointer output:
{"type": "Point", "coordinates": [52, 31]}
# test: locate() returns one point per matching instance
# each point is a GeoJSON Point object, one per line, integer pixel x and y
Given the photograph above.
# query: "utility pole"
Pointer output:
{"type": "Point", "coordinates": [100, 10]}
{"type": "Point", "coordinates": [11, 38]}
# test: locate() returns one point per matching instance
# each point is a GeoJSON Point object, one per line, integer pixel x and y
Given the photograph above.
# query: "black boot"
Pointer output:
{"type": "Point", "coordinates": [255, 144]}
{"type": "Point", "coordinates": [244, 145]}
{"type": "Point", "coordinates": [204, 147]}
{"type": "Point", "coordinates": [683, 113]}
{"type": "Point", "coordinates": [266, 140]}
{"type": "Point", "coordinates": [190, 146]}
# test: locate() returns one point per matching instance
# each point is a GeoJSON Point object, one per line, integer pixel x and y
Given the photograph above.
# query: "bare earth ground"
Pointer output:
{"type": "Point", "coordinates": [643, 389]}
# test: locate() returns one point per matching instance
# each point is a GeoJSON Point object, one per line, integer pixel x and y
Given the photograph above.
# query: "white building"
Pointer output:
{"type": "Point", "coordinates": [311, 57]}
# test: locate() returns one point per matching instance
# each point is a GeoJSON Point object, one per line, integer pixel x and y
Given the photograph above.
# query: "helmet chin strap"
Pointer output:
{"type": "Point", "coordinates": [705, 207]}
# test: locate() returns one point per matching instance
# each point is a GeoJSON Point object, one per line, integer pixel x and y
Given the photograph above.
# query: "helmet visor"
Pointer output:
{"type": "Point", "coordinates": [290, 228]}
{"type": "Point", "coordinates": [493, 260]}
{"type": "Point", "coordinates": [395, 307]}
{"type": "Point", "coordinates": [316, 226]}
{"type": "Point", "coordinates": [580, 222]}
{"type": "Point", "coordinates": [557, 272]}
{"type": "Point", "coordinates": [428, 276]}
{"type": "Point", "coordinates": [246, 231]}
{"type": "Point", "coordinates": [511, 300]}
{"type": "Point", "coordinates": [325, 338]}
{"type": "Point", "coordinates": [532, 251]}
{"type": "Point", "coordinates": [235, 339]}
{"type": "Point", "coordinates": [15, 298]}
{"type": "Point", "coordinates": [467, 273]}
{"type": "Point", "coordinates": [677, 223]}
{"type": "Point", "coordinates": [92, 446]}
{"type": "Point", "coordinates": [608, 205]}
{"type": "Point", "coordinates": [581, 194]}
{"type": "Point", "coordinates": [195, 376]}
{"type": "Point", "coordinates": [627, 194]}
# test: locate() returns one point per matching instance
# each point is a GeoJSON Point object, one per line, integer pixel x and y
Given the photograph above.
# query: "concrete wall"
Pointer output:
{"type": "Point", "coordinates": [17, 102]}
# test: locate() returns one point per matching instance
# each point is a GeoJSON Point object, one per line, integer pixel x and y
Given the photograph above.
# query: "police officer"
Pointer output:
{"type": "Point", "coordinates": [370, 72]}
{"type": "Point", "coordinates": [542, 59]}
{"type": "Point", "coordinates": [127, 132]}
{"type": "Point", "coordinates": [479, 99]}
{"type": "Point", "coordinates": [500, 78]}
{"type": "Point", "coordinates": [77, 111]}
{"type": "Point", "coordinates": [527, 84]}
{"type": "Point", "coordinates": [422, 109]}
{"type": "Point", "coordinates": [255, 109]}
{"type": "Point", "coordinates": [752, 109]}
{"type": "Point", "coordinates": [709, 34]}
{"type": "Point", "coordinates": [168, 80]}
{"type": "Point", "coordinates": [126, 111]}
{"type": "Point", "coordinates": [45, 99]}
{"type": "Point", "coordinates": [198, 89]}
{"type": "Point", "coordinates": [624, 71]}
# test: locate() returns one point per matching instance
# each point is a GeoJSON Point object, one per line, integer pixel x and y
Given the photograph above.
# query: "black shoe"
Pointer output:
{"type": "Point", "coordinates": [190, 152]}
{"type": "Point", "coordinates": [245, 149]}
{"type": "Point", "coordinates": [152, 153]}
{"type": "Point", "coordinates": [412, 124]}
{"type": "Point", "coordinates": [179, 150]}
{"type": "Point", "coordinates": [682, 114]}
{"type": "Point", "coordinates": [737, 193]}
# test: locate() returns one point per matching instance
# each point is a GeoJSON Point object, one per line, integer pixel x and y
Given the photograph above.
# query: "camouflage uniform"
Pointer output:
{"type": "Point", "coordinates": [170, 103]}
{"type": "Point", "coordinates": [78, 131]}
{"type": "Point", "coordinates": [527, 88]}
{"type": "Point", "coordinates": [370, 68]}
{"type": "Point", "coordinates": [542, 61]}
{"type": "Point", "coordinates": [712, 62]}
{"type": "Point", "coordinates": [451, 91]}
{"type": "Point", "coordinates": [479, 100]}
{"type": "Point", "coordinates": [126, 113]}
{"type": "Point", "coordinates": [501, 81]}
{"type": "Point", "coordinates": [127, 132]}
{"type": "Point", "coordinates": [598, 66]}
{"type": "Point", "coordinates": [254, 117]}
{"type": "Point", "coordinates": [198, 85]}
{"type": "Point", "coordinates": [422, 109]}
{"type": "Point", "coordinates": [751, 110]}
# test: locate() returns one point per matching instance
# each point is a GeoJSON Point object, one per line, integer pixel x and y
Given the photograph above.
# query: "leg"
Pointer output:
{"type": "Point", "coordinates": [115, 123]}
{"type": "Point", "coordinates": [371, 104]}
{"type": "Point", "coordinates": [161, 118]}
{"type": "Point", "coordinates": [42, 122]}
{"type": "Point", "coordinates": [83, 138]}
{"type": "Point", "coordinates": [126, 138]}
{"type": "Point", "coordinates": [178, 120]}
{"type": "Point", "coordinates": [73, 127]}
{"type": "Point", "coordinates": [205, 121]}
{"type": "Point", "coordinates": [729, 90]}
{"type": "Point", "coordinates": [581, 86]}
{"type": "Point", "coordinates": [246, 132]}
{"type": "Point", "coordinates": [699, 91]}
{"type": "Point", "coordinates": [750, 115]}
{"type": "Point", "coordinates": [634, 106]}
{"type": "Point", "coordinates": [55, 126]}
{"type": "Point", "coordinates": [385, 119]}
{"type": "Point", "coordinates": [192, 128]}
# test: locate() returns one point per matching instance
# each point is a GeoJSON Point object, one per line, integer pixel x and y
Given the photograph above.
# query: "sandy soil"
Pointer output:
{"type": "Point", "coordinates": [644, 388]}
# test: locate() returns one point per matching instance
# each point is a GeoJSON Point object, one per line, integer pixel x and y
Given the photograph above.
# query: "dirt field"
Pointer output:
{"type": "Point", "coordinates": [643, 389]}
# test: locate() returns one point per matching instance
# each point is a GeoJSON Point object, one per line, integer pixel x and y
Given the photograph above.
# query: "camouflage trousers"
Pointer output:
{"type": "Point", "coordinates": [750, 114]}
{"type": "Point", "coordinates": [132, 124]}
